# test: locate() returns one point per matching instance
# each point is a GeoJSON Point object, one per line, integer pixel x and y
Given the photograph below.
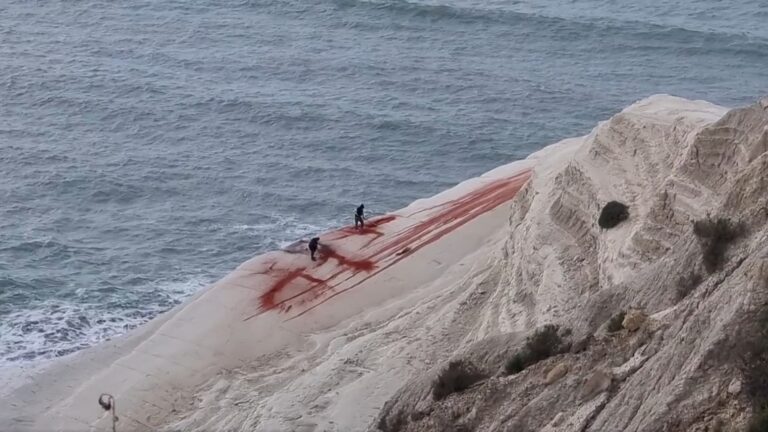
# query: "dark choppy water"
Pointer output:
{"type": "Point", "coordinates": [148, 147]}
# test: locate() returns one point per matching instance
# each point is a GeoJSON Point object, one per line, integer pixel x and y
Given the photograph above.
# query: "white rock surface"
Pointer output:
{"type": "Point", "coordinates": [734, 387]}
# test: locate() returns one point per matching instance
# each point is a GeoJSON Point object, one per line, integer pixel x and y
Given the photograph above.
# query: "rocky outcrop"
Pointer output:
{"type": "Point", "coordinates": [633, 320]}
{"type": "Point", "coordinates": [557, 372]}
{"type": "Point", "coordinates": [676, 367]}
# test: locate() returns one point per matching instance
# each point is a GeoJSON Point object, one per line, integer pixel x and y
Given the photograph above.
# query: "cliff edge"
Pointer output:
{"type": "Point", "coordinates": [652, 322]}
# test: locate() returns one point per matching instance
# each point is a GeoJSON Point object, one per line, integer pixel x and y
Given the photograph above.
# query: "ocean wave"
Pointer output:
{"type": "Point", "coordinates": [506, 14]}
{"type": "Point", "coordinates": [40, 249]}
{"type": "Point", "coordinates": [290, 230]}
{"type": "Point", "coordinates": [55, 328]}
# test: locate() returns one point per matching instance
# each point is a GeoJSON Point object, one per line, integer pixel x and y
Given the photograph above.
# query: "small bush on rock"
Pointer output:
{"type": "Point", "coordinates": [616, 322]}
{"type": "Point", "coordinates": [542, 344]}
{"type": "Point", "coordinates": [715, 235]}
{"type": "Point", "coordinates": [458, 376]}
{"type": "Point", "coordinates": [545, 342]}
{"type": "Point", "coordinates": [516, 364]}
{"type": "Point", "coordinates": [613, 214]}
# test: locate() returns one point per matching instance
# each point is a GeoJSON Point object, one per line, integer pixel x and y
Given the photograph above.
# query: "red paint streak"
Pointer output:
{"type": "Point", "coordinates": [371, 228]}
{"type": "Point", "coordinates": [379, 221]}
{"type": "Point", "coordinates": [482, 204]}
{"type": "Point", "coordinates": [358, 265]}
{"type": "Point", "coordinates": [352, 231]}
{"type": "Point", "coordinates": [448, 217]}
{"type": "Point", "coordinates": [268, 298]}
{"type": "Point", "coordinates": [312, 279]}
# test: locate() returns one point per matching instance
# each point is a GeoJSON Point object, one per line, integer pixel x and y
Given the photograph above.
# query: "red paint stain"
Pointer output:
{"type": "Point", "coordinates": [468, 207]}
{"type": "Point", "coordinates": [379, 221]}
{"type": "Point", "coordinates": [447, 217]}
{"type": "Point", "coordinates": [312, 279]}
{"type": "Point", "coordinates": [297, 278]}
{"type": "Point", "coordinates": [267, 299]}
{"type": "Point", "coordinates": [358, 265]}
{"type": "Point", "coordinates": [371, 227]}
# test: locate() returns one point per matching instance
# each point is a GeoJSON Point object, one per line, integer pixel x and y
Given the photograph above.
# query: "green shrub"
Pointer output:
{"type": "Point", "coordinates": [613, 214]}
{"type": "Point", "coordinates": [545, 342]}
{"type": "Point", "coordinates": [458, 376]}
{"type": "Point", "coordinates": [715, 235]}
{"type": "Point", "coordinates": [516, 364]}
{"type": "Point", "coordinates": [542, 344]}
{"type": "Point", "coordinates": [616, 323]}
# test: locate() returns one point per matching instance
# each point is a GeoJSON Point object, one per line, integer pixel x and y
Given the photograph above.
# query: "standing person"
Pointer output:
{"type": "Point", "coordinates": [313, 247]}
{"type": "Point", "coordinates": [359, 217]}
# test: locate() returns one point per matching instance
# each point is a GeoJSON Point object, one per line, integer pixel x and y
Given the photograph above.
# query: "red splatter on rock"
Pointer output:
{"type": "Point", "coordinates": [353, 264]}
{"type": "Point", "coordinates": [268, 298]}
{"type": "Point", "coordinates": [296, 286]}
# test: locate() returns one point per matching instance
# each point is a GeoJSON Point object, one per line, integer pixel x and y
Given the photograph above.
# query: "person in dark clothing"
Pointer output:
{"type": "Point", "coordinates": [359, 217]}
{"type": "Point", "coordinates": [313, 243]}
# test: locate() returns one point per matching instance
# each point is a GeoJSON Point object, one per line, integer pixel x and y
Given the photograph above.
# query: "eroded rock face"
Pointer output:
{"type": "Point", "coordinates": [597, 382]}
{"type": "Point", "coordinates": [672, 162]}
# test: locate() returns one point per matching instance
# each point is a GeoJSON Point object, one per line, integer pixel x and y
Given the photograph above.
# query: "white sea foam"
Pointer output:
{"type": "Point", "coordinates": [54, 328]}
